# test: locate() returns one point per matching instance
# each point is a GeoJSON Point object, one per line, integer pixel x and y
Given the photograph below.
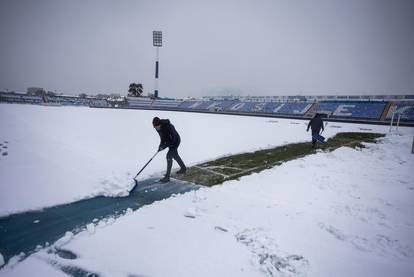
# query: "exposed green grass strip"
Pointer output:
{"type": "Point", "coordinates": [235, 166]}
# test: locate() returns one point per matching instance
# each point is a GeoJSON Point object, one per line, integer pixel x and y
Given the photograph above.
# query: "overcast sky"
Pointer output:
{"type": "Point", "coordinates": [212, 47]}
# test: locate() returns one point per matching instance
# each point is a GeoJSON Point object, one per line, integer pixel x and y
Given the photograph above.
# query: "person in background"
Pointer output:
{"type": "Point", "coordinates": [316, 124]}
{"type": "Point", "coordinates": [171, 139]}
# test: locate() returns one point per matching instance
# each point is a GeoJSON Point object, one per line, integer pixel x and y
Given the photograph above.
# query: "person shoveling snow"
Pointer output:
{"type": "Point", "coordinates": [171, 139]}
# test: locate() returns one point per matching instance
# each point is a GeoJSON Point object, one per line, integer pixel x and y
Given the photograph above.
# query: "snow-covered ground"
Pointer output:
{"type": "Point", "coordinates": [345, 213]}
{"type": "Point", "coordinates": [68, 153]}
{"type": "Point", "coordinates": [57, 155]}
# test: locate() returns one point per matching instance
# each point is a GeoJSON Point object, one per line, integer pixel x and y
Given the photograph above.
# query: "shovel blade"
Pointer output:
{"type": "Point", "coordinates": [134, 187]}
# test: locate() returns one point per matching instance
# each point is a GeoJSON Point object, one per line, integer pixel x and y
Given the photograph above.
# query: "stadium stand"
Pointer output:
{"type": "Point", "coordinates": [52, 100]}
{"type": "Point", "coordinates": [136, 102]}
{"type": "Point", "coordinates": [258, 107]}
{"type": "Point", "coordinates": [326, 108]}
{"type": "Point", "coordinates": [406, 109]}
{"type": "Point", "coordinates": [359, 110]}
{"type": "Point", "coordinates": [204, 105]}
{"type": "Point", "coordinates": [271, 107]}
{"type": "Point", "coordinates": [166, 103]}
{"type": "Point", "coordinates": [199, 105]}
{"type": "Point", "coordinates": [20, 98]}
{"type": "Point", "coordinates": [224, 105]}
{"type": "Point", "coordinates": [68, 101]}
{"type": "Point", "coordinates": [186, 104]}
{"type": "Point", "coordinates": [207, 105]}
{"type": "Point", "coordinates": [99, 103]}
{"type": "Point", "coordinates": [356, 108]}
{"type": "Point", "coordinates": [245, 107]}
{"type": "Point", "coordinates": [293, 108]}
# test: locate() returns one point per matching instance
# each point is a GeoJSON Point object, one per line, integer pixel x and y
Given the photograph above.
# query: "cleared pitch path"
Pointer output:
{"type": "Point", "coordinates": [23, 232]}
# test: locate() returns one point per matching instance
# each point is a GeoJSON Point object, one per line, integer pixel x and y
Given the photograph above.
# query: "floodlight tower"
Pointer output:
{"type": "Point", "coordinates": [157, 42]}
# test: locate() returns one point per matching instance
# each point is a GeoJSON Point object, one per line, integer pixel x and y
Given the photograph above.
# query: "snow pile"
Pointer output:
{"type": "Point", "coordinates": [91, 228]}
{"type": "Point", "coordinates": [117, 185]}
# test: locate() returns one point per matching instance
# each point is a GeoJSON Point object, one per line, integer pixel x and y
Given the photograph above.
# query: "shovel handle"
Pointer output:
{"type": "Point", "coordinates": [146, 164]}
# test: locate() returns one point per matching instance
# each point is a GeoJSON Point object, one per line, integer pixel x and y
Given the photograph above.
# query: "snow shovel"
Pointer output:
{"type": "Point", "coordinates": [136, 181]}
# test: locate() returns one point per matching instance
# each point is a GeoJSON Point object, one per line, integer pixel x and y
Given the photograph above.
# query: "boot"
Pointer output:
{"type": "Point", "coordinates": [166, 179]}
{"type": "Point", "coordinates": [183, 170]}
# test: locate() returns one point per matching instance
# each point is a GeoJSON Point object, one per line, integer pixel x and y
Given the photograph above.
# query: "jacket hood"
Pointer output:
{"type": "Point", "coordinates": [164, 121]}
{"type": "Point", "coordinates": [157, 121]}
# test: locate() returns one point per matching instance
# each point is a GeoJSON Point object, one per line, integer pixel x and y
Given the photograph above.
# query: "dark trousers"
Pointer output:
{"type": "Point", "coordinates": [314, 133]}
{"type": "Point", "coordinates": [173, 154]}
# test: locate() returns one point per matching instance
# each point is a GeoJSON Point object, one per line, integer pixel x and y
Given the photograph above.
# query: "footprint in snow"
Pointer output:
{"type": "Point", "coordinates": [269, 257]}
{"type": "Point", "coordinates": [218, 228]}
{"type": "Point", "coordinates": [66, 254]}
{"type": "Point", "coordinates": [333, 231]}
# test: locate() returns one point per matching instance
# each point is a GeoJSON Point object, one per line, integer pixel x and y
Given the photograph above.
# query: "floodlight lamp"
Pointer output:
{"type": "Point", "coordinates": [157, 38]}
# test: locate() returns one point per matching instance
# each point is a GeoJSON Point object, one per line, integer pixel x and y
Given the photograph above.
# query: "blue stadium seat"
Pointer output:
{"type": "Point", "coordinates": [360, 110]}
{"type": "Point", "coordinates": [270, 107]}
{"type": "Point", "coordinates": [243, 107]}
{"type": "Point", "coordinates": [326, 107]}
{"type": "Point", "coordinates": [405, 108]}
{"type": "Point", "coordinates": [139, 102]}
{"type": "Point", "coordinates": [223, 105]}
{"type": "Point", "coordinates": [200, 105]}
{"type": "Point", "coordinates": [293, 108]}
{"type": "Point", "coordinates": [166, 103]}
{"type": "Point", "coordinates": [20, 98]}
{"type": "Point", "coordinates": [186, 104]}
{"type": "Point", "coordinates": [99, 103]}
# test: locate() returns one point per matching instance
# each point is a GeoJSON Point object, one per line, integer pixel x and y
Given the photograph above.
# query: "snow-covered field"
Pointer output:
{"type": "Point", "coordinates": [345, 213]}
{"type": "Point", "coordinates": [61, 154]}
{"type": "Point", "coordinates": [68, 153]}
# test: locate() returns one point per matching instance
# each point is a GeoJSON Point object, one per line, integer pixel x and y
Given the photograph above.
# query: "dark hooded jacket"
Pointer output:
{"type": "Point", "coordinates": [169, 136]}
{"type": "Point", "coordinates": [316, 124]}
